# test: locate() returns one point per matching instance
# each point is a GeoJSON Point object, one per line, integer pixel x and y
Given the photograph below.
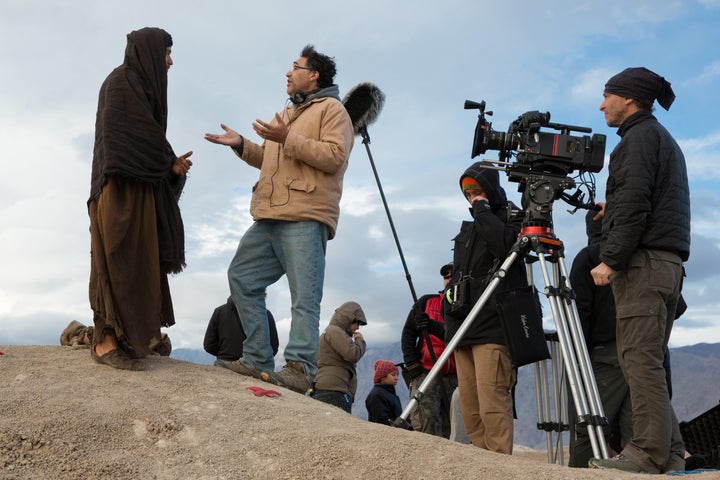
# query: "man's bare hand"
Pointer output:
{"type": "Point", "coordinates": [277, 132]}
{"type": "Point", "coordinates": [182, 164]}
{"type": "Point", "coordinates": [230, 138]}
{"type": "Point", "coordinates": [601, 274]}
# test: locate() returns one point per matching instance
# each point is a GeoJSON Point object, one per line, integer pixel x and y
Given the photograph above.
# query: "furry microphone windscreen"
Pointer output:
{"type": "Point", "coordinates": [363, 103]}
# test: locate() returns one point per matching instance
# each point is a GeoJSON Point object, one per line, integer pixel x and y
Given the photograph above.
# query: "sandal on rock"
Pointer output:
{"type": "Point", "coordinates": [116, 359]}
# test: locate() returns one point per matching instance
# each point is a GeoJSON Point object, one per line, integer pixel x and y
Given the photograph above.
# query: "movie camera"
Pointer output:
{"type": "Point", "coordinates": [546, 152]}
{"type": "Point", "coordinates": [543, 159]}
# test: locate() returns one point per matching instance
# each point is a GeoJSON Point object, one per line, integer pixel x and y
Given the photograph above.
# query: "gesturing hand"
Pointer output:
{"type": "Point", "coordinates": [230, 138]}
{"type": "Point", "coordinates": [182, 164]}
{"type": "Point", "coordinates": [276, 132]}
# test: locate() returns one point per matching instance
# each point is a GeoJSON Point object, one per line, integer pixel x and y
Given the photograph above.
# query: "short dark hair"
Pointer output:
{"type": "Point", "coordinates": [322, 64]}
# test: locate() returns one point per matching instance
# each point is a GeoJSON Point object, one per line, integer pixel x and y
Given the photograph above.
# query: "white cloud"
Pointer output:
{"type": "Point", "coordinates": [701, 155]}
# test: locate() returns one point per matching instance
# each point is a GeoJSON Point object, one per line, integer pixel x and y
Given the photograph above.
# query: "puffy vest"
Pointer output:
{"type": "Point", "coordinates": [433, 308]}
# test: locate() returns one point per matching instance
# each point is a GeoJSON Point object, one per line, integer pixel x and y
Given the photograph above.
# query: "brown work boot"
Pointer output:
{"type": "Point", "coordinates": [292, 376]}
{"type": "Point", "coordinates": [238, 366]}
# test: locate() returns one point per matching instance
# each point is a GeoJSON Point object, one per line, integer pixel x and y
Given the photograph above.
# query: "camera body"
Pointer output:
{"type": "Point", "coordinates": [543, 161]}
{"type": "Point", "coordinates": [536, 150]}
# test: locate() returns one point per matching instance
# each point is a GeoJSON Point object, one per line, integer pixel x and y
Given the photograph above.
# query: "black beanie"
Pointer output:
{"type": "Point", "coordinates": [639, 83]}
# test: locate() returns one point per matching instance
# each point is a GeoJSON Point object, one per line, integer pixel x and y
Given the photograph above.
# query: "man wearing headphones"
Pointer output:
{"type": "Point", "coordinates": [295, 208]}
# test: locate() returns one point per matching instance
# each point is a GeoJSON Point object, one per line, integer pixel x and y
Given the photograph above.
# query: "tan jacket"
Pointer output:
{"type": "Point", "coordinates": [302, 179]}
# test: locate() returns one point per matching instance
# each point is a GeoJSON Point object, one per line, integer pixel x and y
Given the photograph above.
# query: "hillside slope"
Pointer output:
{"type": "Point", "coordinates": [694, 378]}
{"type": "Point", "coordinates": [62, 416]}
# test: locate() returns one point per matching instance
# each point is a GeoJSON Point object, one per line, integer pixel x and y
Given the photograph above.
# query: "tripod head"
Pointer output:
{"type": "Point", "coordinates": [539, 191]}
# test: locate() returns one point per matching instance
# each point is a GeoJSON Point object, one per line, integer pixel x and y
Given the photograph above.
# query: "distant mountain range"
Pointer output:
{"type": "Point", "coordinates": [694, 380]}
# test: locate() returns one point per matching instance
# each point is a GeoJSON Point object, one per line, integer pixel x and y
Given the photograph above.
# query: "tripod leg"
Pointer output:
{"type": "Point", "coordinates": [543, 405]}
{"type": "Point", "coordinates": [560, 395]}
{"type": "Point", "coordinates": [576, 360]}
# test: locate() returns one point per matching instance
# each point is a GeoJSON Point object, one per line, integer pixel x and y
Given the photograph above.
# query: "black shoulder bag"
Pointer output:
{"type": "Point", "coordinates": [521, 318]}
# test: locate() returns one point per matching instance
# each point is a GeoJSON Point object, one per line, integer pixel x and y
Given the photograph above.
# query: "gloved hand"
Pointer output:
{"type": "Point", "coordinates": [410, 371]}
{"type": "Point", "coordinates": [413, 369]}
{"type": "Point", "coordinates": [422, 321]}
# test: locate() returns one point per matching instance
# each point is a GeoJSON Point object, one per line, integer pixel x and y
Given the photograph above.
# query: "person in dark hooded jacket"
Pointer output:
{"type": "Point", "coordinates": [224, 335]}
{"type": "Point", "coordinates": [485, 373]}
{"type": "Point", "coordinates": [341, 347]}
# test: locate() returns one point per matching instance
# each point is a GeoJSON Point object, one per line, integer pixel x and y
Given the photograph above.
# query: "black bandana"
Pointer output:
{"type": "Point", "coordinates": [639, 83]}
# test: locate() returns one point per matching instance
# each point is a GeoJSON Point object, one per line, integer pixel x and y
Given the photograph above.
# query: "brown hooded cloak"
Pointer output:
{"type": "Point", "coordinates": [136, 230]}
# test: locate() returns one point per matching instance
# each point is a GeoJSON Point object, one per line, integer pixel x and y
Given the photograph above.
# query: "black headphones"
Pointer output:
{"type": "Point", "coordinates": [301, 97]}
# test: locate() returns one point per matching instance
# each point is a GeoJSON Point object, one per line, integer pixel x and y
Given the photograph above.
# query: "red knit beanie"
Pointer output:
{"type": "Point", "coordinates": [382, 368]}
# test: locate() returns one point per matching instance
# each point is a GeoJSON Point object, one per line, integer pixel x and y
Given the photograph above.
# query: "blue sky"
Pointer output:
{"type": "Point", "coordinates": [427, 57]}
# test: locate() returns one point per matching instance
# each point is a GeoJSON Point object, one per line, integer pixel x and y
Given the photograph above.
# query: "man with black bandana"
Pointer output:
{"type": "Point", "coordinates": [136, 230]}
{"type": "Point", "coordinates": [646, 239]}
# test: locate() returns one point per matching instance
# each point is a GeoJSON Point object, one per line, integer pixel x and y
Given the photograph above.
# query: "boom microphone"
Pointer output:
{"type": "Point", "coordinates": [363, 103]}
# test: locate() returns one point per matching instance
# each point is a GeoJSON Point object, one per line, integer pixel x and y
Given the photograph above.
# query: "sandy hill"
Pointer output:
{"type": "Point", "coordinates": [63, 416]}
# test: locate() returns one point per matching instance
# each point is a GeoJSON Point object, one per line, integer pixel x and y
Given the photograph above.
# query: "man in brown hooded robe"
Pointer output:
{"type": "Point", "coordinates": [136, 230]}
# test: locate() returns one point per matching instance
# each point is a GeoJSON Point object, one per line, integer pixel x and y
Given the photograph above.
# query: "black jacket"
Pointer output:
{"type": "Point", "coordinates": [479, 247]}
{"type": "Point", "coordinates": [382, 404]}
{"type": "Point", "coordinates": [648, 198]}
{"type": "Point", "coordinates": [595, 304]}
{"type": "Point", "coordinates": [224, 336]}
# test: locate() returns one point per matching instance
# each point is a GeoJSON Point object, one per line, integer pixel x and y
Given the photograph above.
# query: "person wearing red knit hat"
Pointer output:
{"type": "Point", "coordinates": [382, 403]}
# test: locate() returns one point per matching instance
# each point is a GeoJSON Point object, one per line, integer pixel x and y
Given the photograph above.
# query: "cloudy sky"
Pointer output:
{"type": "Point", "coordinates": [427, 57]}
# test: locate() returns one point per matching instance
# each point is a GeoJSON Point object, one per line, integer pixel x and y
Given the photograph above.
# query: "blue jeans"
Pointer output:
{"type": "Point", "coordinates": [267, 251]}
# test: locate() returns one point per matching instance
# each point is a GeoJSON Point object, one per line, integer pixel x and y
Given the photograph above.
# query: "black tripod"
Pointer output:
{"type": "Point", "coordinates": [536, 235]}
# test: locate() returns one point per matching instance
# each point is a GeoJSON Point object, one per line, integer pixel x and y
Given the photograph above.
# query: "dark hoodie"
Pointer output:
{"type": "Point", "coordinates": [596, 305]}
{"type": "Point", "coordinates": [479, 247]}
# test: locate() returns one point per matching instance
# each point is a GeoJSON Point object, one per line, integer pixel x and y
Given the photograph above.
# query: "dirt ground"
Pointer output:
{"type": "Point", "coordinates": [64, 417]}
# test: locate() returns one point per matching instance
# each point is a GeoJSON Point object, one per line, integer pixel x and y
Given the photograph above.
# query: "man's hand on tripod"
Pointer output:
{"type": "Point", "coordinates": [601, 274]}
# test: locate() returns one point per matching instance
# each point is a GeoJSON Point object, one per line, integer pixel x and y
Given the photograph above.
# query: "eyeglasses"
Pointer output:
{"type": "Point", "coordinates": [300, 67]}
